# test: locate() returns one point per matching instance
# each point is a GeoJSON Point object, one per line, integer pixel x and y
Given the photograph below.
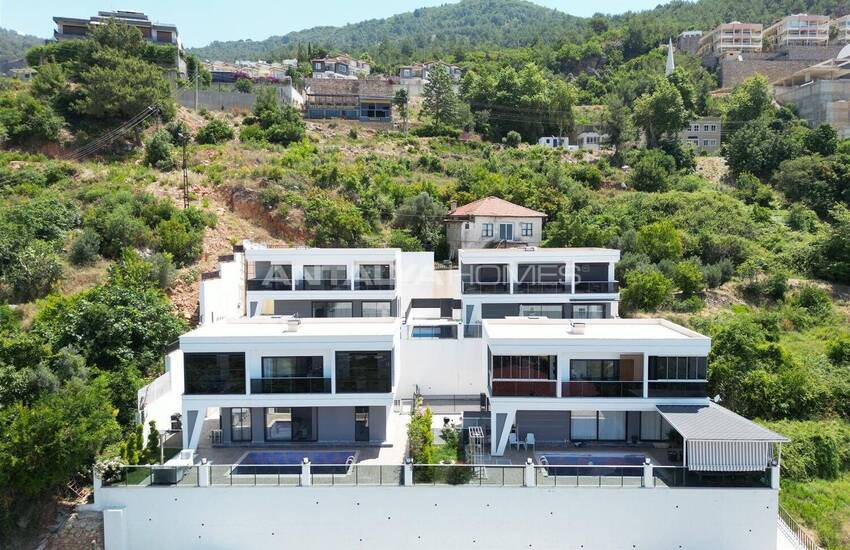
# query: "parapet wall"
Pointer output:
{"type": "Point", "coordinates": [378, 518]}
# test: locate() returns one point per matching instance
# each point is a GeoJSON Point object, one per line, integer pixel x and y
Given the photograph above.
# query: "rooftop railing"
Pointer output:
{"type": "Point", "coordinates": [547, 476]}
{"type": "Point", "coordinates": [486, 288]}
{"type": "Point", "coordinates": [539, 287]}
{"type": "Point", "coordinates": [374, 284]}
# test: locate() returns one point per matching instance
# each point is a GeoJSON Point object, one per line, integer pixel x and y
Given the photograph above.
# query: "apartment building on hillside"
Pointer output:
{"type": "Point", "coordinates": [797, 30]}
{"type": "Point", "coordinates": [492, 222]}
{"type": "Point", "coordinates": [703, 134]}
{"type": "Point", "coordinates": [340, 66]}
{"type": "Point", "coordinates": [734, 36]}
{"type": "Point", "coordinates": [70, 28]}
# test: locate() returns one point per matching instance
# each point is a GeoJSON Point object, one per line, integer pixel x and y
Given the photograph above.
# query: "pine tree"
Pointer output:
{"type": "Point", "coordinates": [441, 101]}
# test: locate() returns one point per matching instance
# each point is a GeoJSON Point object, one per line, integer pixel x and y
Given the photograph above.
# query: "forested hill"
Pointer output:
{"type": "Point", "coordinates": [473, 23]}
{"type": "Point", "coordinates": [707, 14]}
{"type": "Point", "coordinates": [14, 45]}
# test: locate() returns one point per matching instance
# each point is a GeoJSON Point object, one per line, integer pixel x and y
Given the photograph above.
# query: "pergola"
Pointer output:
{"type": "Point", "coordinates": [718, 440]}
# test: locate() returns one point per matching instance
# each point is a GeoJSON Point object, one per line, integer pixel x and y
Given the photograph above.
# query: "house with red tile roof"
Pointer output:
{"type": "Point", "coordinates": [492, 222]}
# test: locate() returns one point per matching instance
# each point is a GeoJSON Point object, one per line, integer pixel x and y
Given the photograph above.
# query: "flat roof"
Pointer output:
{"type": "Point", "coordinates": [715, 423]}
{"type": "Point", "coordinates": [515, 328]}
{"type": "Point", "coordinates": [277, 327]}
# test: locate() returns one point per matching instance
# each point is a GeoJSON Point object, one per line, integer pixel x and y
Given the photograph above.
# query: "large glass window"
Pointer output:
{"type": "Point", "coordinates": [441, 331]}
{"type": "Point", "coordinates": [377, 276]}
{"type": "Point", "coordinates": [364, 371]}
{"type": "Point", "coordinates": [290, 424]}
{"type": "Point", "coordinates": [214, 373]}
{"type": "Point", "coordinates": [376, 309]}
{"type": "Point", "coordinates": [551, 311]}
{"type": "Point", "coordinates": [546, 273]}
{"type": "Point", "coordinates": [583, 425]}
{"type": "Point", "coordinates": [333, 309]}
{"type": "Point", "coordinates": [323, 276]}
{"type": "Point", "coordinates": [677, 368]}
{"type": "Point", "coordinates": [594, 369]}
{"type": "Point", "coordinates": [588, 311]}
{"type": "Point", "coordinates": [240, 424]}
{"type": "Point", "coordinates": [525, 367]}
{"type": "Point", "coordinates": [487, 230]}
{"type": "Point", "coordinates": [293, 367]}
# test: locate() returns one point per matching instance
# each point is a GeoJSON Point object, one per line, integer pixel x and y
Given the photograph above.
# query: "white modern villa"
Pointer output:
{"type": "Point", "coordinates": [293, 395]}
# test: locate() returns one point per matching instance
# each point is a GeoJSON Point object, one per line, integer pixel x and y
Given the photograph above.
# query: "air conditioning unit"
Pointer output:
{"type": "Point", "coordinates": [577, 328]}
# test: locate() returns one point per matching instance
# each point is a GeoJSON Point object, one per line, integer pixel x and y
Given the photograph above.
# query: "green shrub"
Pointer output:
{"type": "Point", "coordinates": [815, 300]}
{"type": "Point", "coordinates": [818, 449]}
{"type": "Point", "coordinates": [158, 151]}
{"type": "Point", "coordinates": [652, 172]}
{"type": "Point", "coordinates": [688, 278]}
{"type": "Point", "coordinates": [214, 132]}
{"type": "Point", "coordinates": [34, 272]}
{"type": "Point", "coordinates": [85, 247]}
{"type": "Point", "coordinates": [838, 351]}
{"type": "Point", "coordinates": [752, 191]}
{"type": "Point", "coordinates": [244, 85]}
{"type": "Point", "coordinates": [691, 304]}
{"type": "Point", "coordinates": [182, 242]}
{"type": "Point", "coordinates": [512, 139]}
{"type": "Point", "coordinates": [646, 290]}
{"type": "Point", "coordinates": [716, 274]}
{"type": "Point", "coordinates": [589, 174]}
{"type": "Point", "coordinates": [352, 133]}
{"type": "Point", "coordinates": [660, 241]}
{"type": "Point", "coordinates": [401, 238]}
{"type": "Point", "coordinates": [163, 271]}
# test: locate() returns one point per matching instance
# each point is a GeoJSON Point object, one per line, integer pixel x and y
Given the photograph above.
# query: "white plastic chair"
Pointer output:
{"type": "Point", "coordinates": [529, 440]}
{"type": "Point", "coordinates": [513, 441]}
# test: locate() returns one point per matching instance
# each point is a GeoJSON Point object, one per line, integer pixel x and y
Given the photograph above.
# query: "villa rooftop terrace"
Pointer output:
{"type": "Point", "coordinates": [512, 328]}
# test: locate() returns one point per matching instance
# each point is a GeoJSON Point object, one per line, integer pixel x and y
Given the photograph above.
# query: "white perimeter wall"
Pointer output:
{"type": "Point", "coordinates": [378, 518]}
{"type": "Point", "coordinates": [222, 298]}
{"type": "Point", "coordinates": [442, 367]}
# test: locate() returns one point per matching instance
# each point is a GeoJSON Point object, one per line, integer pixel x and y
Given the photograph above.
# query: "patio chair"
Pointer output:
{"type": "Point", "coordinates": [529, 440]}
{"type": "Point", "coordinates": [513, 441]}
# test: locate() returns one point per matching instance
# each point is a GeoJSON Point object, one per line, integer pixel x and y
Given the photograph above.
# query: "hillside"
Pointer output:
{"type": "Point", "coordinates": [476, 23]}
{"type": "Point", "coordinates": [14, 45]}
{"type": "Point", "coordinates": [707, 14]}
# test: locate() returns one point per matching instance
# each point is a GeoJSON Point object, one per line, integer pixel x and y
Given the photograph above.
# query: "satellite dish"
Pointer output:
{"type": "Point", "coordinates": [844, 53]}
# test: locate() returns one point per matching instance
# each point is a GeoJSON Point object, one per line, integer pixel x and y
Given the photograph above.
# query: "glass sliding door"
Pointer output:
{"type": "Point", "coordinates": [290, 424]}
{"type": "Point", "coordinates": [240, 424]}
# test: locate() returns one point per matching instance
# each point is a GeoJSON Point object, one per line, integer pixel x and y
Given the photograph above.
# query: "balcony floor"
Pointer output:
{"type": "Point", "coordinates": [391, 452]}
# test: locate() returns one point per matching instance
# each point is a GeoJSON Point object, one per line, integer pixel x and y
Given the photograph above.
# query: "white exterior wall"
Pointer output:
{"type": "Point", "coordinates": [223, 298]}
{"type": "Point", "coordinates": [378, 518]}
{"type": "Point", "coordinates": [443, 367]}
{"type": "Point", "coordinates": [470, 237]}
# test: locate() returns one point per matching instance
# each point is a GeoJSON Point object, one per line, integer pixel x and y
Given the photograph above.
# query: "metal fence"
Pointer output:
{"type": "Point", "coordinates": [482, 475]}
{"type": "Point", "coordinates": [793, 529]}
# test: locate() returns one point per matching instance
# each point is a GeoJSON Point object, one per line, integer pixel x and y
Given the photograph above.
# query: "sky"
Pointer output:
{"type": "Point", "coordinates": [202, 21]}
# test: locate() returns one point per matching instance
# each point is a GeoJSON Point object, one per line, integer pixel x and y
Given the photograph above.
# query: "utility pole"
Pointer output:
{"type": "Point", "coordinates": [185, 177]}
{"type": "Point", "coordinates": [197, 74]}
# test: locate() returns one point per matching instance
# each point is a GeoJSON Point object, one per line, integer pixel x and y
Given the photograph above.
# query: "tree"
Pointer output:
{"type": "Point", "coordinates": [244, 85]}
{"type": "Point", "coordinates": [749, 100]}
{"type": "Point", "coordinates": [752, 191]}
{"type": "Point", "coordinates": [423, 216]}
{"type": "Point", "coordinates": [158, 151]}
{"type": "Point", "coordinates": [652, 172]}
{"type": "Point", "coordinates": [401, 102]}
{"type": "Point", "coordinates": [512, 139]}
{"type": "Point", "coordinates": [214, 132]}
{"type": "Point", "coordinates": [660, 113]}
{"type": "Point", "coordinates": [561, 101]}
{"type": "Point", "coordinates": [401, 238]}
{"type": "Point", "coordinates": [660, 241]}
{"type": "Point", "coordinates": [26, 119]}
{"type": "Point", "coordinates": [688, 278]}
{"type": "Point", "coordinates": [42, 446]}
{"type": "Point", "coordinates": [823, 140]}
{"type": "Point", "coordinates": [618, 122]}
{"type": "Point", "coordinates": [34, 272]}
{"type": "Point", "coordinates": [152, 450]}
{"type": "Point", "coordinates": [440, 100]}
{"type": "Point", "coordinates": [831, 254]}
{"type": "Point", "coordinates": [116, 86]}
{"type": "Point", "coordinates": [334, 222]}
{"type": "Point", "coordinates": [646, 290]}
{"type": "Point", "coordinates": [759, 146]}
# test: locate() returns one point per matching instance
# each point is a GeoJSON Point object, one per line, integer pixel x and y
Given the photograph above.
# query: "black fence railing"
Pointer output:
{"type": "Point", "coordinates": [291, 385]}
{"type": "Point", "coordinates": [323, 284]}
{"type": "Point", "coordinates": [597, 287]}
{"type": "Point", "coordinates": [542, 288]}
{"type": "Point", "coordinates": [523, 388]}
{"type": "Point", "coordinates": [363, 385]}
{"type": "Point", "coordinates": [601, 388]}
{"type": "Point", "coordinates": [375, 284]}
{"type": "Point", "coordinates": [268, 284]}
{"type": "Point", "coordinates": [486, 288]}
{"type": "Point", "coordinates": [678, 389]}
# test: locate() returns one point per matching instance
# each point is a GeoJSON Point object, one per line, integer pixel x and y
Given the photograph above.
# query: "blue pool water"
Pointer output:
{"type": "Point", "coordinates": [572, 464]}
{"type": "Point", "coordinates": [289, 462]}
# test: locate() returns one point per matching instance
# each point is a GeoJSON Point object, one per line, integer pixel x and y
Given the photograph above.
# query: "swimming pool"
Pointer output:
{"type": "Point", "coordinates": [611, 464]}
{"type": "Point", "coordinates": [289, 462]}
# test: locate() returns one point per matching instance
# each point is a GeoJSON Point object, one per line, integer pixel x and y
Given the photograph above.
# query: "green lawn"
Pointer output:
{"type": "Point", "coordinates": [823, 506]}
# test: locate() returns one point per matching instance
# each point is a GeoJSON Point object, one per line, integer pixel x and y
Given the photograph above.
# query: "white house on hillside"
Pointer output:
{"type": "Point", "coordinates": [492, 222]}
